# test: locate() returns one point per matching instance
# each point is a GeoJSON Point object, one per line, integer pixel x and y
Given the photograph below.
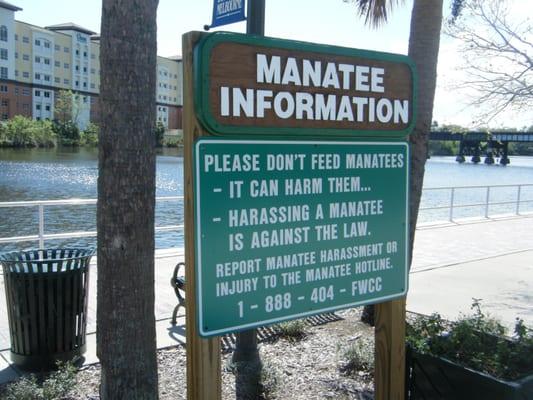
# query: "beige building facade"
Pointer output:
{"type": "Point", "coordinates": [37, 62]}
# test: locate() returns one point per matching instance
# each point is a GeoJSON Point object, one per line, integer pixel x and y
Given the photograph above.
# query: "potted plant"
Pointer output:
{"type": "Point", "coordinates": [469, 359]}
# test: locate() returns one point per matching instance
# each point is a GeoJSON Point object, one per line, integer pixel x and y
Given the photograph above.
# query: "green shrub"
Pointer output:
{"type": "Point", "coordinates": [269, 380]}
{"type": "Point", "coordinates": [44, 134]}
{"type": "Point", "coordinates": [67, 133]}
{"type": "Point", "coordinates": [292, 330]}
{"type": "Point", "coordinates": [89, 137]}
{"type": "Point", "coordinates": [159, 134]}
{"type": "Point", "coordinates": [173, 141]}
{"type": "Point", "coordinates": [358, 357]}
{"type": "Point", "coordinates": [475, 341]}
{"type": "Point", "coordinates": [55, 386]}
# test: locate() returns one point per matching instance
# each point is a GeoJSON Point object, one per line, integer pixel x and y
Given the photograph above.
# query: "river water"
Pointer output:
{"type": "Point", "coordinates": [64, 173]}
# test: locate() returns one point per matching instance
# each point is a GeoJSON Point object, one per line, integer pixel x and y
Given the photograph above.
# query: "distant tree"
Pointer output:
{"type": "Point", "coordinates": [497, 56]}
{"type": "Point", "coordinates": [126, 338]}
{"type": "Point", "coordinates": [159, 134]}
{"type": "Point", "coordinates": [67, 107]}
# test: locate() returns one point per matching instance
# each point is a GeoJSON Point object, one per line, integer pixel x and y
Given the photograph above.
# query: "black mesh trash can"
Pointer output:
{"type": "Point", "coordinates": [46, 296]}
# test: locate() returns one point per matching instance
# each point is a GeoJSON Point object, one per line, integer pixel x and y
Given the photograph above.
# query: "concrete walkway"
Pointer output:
{"type": "Point", "coordinates": [490, 260]}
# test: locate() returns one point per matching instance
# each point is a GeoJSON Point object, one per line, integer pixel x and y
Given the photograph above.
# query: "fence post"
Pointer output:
{"type": "Point", "coordinates": [518, 199]}
{"type": "Point", "coordinates": [41, 226]}
{"type": "Point", "coordinates": [451, 204]}
{"type": "Point", "coordinates": [487, 198]}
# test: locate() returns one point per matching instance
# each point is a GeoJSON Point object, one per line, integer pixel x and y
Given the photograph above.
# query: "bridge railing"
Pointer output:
{"type": "Point", "coordinates": [44, 205]}
{"type": "Point", "coordinates": [459, 202]}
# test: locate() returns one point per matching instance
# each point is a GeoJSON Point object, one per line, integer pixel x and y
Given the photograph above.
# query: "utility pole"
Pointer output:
{"type": "Point", "coordinates": [246, 354]}
{"type": "Point", "coordinates": [246, 345]}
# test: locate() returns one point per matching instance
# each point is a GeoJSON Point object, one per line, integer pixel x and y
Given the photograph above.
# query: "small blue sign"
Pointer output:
{"type": "Point", "coordinates": [227, 12]}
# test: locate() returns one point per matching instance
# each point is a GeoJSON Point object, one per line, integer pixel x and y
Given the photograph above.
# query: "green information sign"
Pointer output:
{"type": "Point", "coordinates": [287, 229]}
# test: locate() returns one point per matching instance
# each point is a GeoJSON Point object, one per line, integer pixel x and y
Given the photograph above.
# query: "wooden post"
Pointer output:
{"type": "Point", "coordinates": [203, 355]}
{"type": "Point", "coordinates": [389, 375]}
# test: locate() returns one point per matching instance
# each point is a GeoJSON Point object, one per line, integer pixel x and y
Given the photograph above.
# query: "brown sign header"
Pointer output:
{"type": "Point", "coordinates": [270, 86]}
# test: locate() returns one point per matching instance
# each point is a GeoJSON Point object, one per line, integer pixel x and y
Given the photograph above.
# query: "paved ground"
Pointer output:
{"type": "Point", "coordinates": [490, 260]}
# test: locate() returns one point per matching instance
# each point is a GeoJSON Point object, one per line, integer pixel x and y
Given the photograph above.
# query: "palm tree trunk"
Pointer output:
{"type": "Point", "coordinates": [126, 342]}
{"type": "Point", "coordinates": [424, 41]}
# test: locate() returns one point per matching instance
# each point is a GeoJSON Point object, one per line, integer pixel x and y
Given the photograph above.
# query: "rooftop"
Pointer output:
{"type": "Point", "coordinates": [8, 6]}
{"type": "Point", "coordinates": [70, 26]}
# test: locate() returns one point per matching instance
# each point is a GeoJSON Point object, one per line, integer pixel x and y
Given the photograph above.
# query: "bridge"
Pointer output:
{"type": "Point", "coordinates": [474, 143]}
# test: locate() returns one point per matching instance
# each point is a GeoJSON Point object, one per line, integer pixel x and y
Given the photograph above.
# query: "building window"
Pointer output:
{"type": "Point", "coordinates": [66, 65]}
{"type": "Point", "coordinates": [66, 81]}
{"type": "Point", "coordinates": [93, 56]}
{"type": "Point", "coordinates": [25, 39]}
{"type": "Point", "coordinates": [5, 117]}
{"type": "Point", "coordinates": [47, 94]}
{"type": "Point", "coordinates": [5, 102]}
{"type": "Point", "coordinates": [17, 91]}
{"type": "Point", "coordinates": [93, 86]}
{"type": "Point", "coordinates": [25, 107]}
{"type": "Point", "coordinates": [85, 84]}
{"type": "Point", "coordinates": [25, 74]}
{"type": "Point", "coordinates": [16, 37]}
{"type": "Point", "coordinates": [26, 57]}
{"type": "Point", "coordinates": [47, 107]}
{"type": "Point", "coordinates": [47, 61]}
{"type": "Point", "coordinates": [37, 106]}
{"type": "Point", "coordinates": [16, 54]}
{"type": "Point", "coordinates": [25, 91]}
{"type": "Point", "coordinates": [3, 72]}
{"type": "Point", "coordinates": [93, 70]}
{"type": "Point", "coordinates": [47, 78]}
{"type": "Point", "coordinates": [77, 52]}
{"type": "Point", "coordinates": [66, 49]}
{"type": "Point", "coordinates": [85, 70]}
{"type": "Point", "coordinates": [77, 67]}
{"type": "Point", "coordinates": [57, 64]}
{"type": "Point", "coordinates": [46, 44]}
{"type": "Point", "coordinates": [3, 33]}
{"type": "Point", "coordinates": [57, 47]}
{"type": "Point", "coordinates": [77, 84]}
{"type": "Point", "coordinates": [37, 76]}
{"type": "Point", "coordinates": [16, 72]}
{"type": "Point", "coordinates": [57, 80]}
{"type": "Point", "coordinates": [3, 88]}
{"type": "Point", "coordinates": [37, 93]}
{"type": "Point", "coordinates": [37, 59]}
{"type": "Point", "coordinates": [3, 54]}
{"type": "Point", "coordinates": [37, 42]}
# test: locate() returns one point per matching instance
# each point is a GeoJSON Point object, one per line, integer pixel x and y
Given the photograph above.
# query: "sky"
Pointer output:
{"type": "Point", "coordinates": [332, 22]}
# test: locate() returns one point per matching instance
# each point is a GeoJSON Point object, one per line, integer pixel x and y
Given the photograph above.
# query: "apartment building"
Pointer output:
{"type": "Point", "coordinates": [37, 62]}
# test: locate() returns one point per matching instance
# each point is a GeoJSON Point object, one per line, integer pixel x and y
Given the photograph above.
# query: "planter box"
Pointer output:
{"type": "Point", "coordinates": [430, 377]}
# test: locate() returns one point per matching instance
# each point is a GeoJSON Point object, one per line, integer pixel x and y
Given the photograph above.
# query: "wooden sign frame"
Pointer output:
{"type": "Point", "coordinates": [203, 355]}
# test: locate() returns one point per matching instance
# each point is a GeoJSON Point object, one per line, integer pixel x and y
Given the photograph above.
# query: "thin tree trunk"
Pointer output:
{"type": "Point", "coordinates": [424, 41]}
{"type": "Point", "coordinates": [126, 339]}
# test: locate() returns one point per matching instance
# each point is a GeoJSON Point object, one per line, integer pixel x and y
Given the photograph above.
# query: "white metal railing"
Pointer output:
{"type": "Point", "coordinates": [451, 205]}
{"type": "Point", "coordinates": [42, 236]}
{"type": "Point", "coordinates": [513, 197]}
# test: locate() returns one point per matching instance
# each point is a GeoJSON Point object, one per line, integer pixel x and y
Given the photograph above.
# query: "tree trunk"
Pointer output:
{"type": "Point", "coordinates": [126, 339]}
{"type": "Point", "coordinates": [424, 41]}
